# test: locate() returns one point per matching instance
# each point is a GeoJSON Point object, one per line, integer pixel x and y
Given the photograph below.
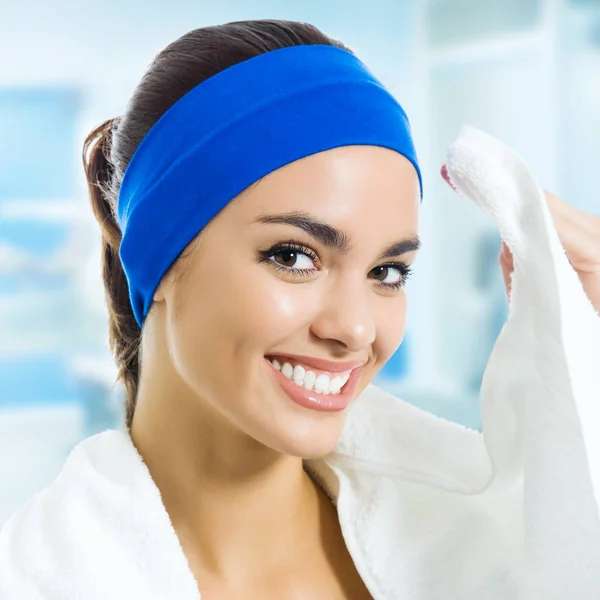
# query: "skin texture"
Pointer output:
{"type": "Point", "coordinates": [221, 439]}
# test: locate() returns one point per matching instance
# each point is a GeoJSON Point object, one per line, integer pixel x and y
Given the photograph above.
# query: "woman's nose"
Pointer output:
{"type": "Point", "coordinates": [347, 316]}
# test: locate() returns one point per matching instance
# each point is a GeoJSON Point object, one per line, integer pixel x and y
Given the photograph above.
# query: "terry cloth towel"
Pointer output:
{"type": "Point", "coordinates": [429, 510]}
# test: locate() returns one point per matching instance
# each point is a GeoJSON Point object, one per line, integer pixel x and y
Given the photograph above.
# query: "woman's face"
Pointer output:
{"type": "Point", "coordinates": [246, 297]}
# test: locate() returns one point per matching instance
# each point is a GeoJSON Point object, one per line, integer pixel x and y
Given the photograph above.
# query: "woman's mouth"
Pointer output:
{"type": "Point", "coordinates": [315, 388]}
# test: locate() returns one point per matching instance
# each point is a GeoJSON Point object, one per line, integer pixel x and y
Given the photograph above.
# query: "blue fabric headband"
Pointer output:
{"type": "Point", "coordinates": [231, 130]}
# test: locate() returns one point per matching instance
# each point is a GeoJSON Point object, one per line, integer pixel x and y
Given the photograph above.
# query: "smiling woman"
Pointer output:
{"type": "Point", "coordinates": [259, 205]}
{"type": "Point", "coordinates": [258, 284]}
{"type": "Point", "coordinates": [271, 256]}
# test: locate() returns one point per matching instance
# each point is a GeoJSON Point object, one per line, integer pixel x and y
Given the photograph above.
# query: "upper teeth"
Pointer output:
{"type": "Point", "coordinates": [308, 379]}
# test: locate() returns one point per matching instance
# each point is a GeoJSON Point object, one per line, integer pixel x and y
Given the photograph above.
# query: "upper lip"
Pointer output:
{"type": "Point", "coordinates": [333, 366]}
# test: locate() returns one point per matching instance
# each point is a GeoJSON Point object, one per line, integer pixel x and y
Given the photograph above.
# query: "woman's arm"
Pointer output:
{"type": "Point", "coordinates": [579, 233]}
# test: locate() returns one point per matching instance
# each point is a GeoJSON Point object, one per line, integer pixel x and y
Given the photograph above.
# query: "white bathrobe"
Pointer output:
{"type": "Point", "coordinates": [429, 510]}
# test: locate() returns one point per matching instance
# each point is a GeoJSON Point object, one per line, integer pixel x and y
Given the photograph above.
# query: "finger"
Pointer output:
{"type": "Point", "coordinates": [579, 234]}
{"type": "Point", "coordinates": [506, 262]}
{"type": "Point", "coordinates": [507, 253]}
{"type": "Point", "coordinates": [562, 209]}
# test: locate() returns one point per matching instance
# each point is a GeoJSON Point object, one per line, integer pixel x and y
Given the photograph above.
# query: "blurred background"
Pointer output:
{"type": "Point", "coordinates": [527, 71]}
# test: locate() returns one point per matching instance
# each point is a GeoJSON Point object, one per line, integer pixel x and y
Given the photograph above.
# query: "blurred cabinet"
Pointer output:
{"type": "Point", "coordinates": [43, 245]}
{"type": "Point", "coordinates": [37, 136]}
{"type": "Point", "coordinates": [580, 118]}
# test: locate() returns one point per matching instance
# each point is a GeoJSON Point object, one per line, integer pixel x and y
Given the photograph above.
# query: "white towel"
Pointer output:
{"type": "Point", "coordinates": [429, 510]}
{"type": "Point", "coordinates": [512, 514]}
{"type": "Point", "coordinates": [541, 389]}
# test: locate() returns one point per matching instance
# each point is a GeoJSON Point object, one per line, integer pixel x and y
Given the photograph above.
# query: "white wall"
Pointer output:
{"type": "Point", "coordinates": [105, 46]}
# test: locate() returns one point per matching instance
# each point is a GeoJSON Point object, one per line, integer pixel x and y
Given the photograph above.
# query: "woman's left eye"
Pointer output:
{"type": "Point", "coordinates": [386, 271]}
{"type": "Point", "coordinates": [399, 275]}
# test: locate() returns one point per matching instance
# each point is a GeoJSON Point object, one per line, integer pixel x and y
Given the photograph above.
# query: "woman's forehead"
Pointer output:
{"type": "Point", "coordinates": [342, 179]}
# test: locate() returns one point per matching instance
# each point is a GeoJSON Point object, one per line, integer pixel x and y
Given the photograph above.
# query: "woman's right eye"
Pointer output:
{"type": "Point", "coordinates": [292, 260]}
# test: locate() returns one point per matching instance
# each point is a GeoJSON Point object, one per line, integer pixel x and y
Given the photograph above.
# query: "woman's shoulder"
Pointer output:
{"type": "Point", "coordinates": [88, 529]}
{"type": "Point", "coordinates": [95, 459]}
{"type": "Point", "coordinates": [87, 461]}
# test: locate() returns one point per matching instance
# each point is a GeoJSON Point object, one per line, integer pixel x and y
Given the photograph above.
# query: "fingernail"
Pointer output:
{"type": "Point", "coordinates": [446, 176]}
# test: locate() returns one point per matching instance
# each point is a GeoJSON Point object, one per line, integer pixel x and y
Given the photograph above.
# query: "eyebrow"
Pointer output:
{"type": "Point", "coordinates": [334, 238]}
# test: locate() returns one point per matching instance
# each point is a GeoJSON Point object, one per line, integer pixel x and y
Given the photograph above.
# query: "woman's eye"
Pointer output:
{"type": "Point", "coordinates": [300, 261]}
{"type": "Point", "coordinates": [382, 273]}
{"type": "Point", "coordinates": [292, 259]}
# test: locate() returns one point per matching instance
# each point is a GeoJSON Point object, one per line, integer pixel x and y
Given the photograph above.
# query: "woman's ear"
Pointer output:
{"type": "Point", "coordinates": [170, 278]}
{"type": "Point", "coordinates": [163, 287]}
{"type": "Point", "coordinates": [159, 293]}
{"type": "Point", "coordinates": [175, 272]}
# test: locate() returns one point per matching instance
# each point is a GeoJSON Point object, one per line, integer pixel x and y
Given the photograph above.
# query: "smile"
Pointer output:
{"type": "Point", "coordinates": [311, 387]}
{"type": "Point", "coordinates": [304, 376]}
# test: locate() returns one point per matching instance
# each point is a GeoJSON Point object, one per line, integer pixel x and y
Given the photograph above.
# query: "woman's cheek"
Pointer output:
{"type": "Point", "coordinates": [281, 308]}
{"type": "Point", "coordinates": [390, 327]}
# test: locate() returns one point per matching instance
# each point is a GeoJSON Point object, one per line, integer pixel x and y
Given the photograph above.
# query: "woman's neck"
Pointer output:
{"type": "Point", "coordinates": [238, 507]}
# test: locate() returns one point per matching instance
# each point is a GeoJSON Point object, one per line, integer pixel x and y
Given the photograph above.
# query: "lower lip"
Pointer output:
{"type": "Point", "coordinates": [314, 400]}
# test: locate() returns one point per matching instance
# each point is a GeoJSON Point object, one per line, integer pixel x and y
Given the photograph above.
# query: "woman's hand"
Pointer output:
{"type": "Point", "coordinates": [579, 234]}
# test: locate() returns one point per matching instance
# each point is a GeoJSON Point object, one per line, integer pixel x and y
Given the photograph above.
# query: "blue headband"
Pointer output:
{"type": "Point", "coordinates": [231, 130]}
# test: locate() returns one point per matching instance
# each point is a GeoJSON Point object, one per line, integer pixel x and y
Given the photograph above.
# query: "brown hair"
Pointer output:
{"type": "Point", "coordinates": [107, 150]}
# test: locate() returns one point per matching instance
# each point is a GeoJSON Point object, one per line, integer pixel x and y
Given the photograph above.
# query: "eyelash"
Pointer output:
{"type": "Point", "coordinates": [295, 247]}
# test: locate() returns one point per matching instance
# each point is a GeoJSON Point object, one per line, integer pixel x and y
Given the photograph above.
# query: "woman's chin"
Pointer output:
{"type": "Point", "coordinates": [309, 442]}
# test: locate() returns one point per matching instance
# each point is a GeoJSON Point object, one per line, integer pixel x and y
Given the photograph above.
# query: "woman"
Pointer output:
{"type": "Point", "coordinates": [244, 330]}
